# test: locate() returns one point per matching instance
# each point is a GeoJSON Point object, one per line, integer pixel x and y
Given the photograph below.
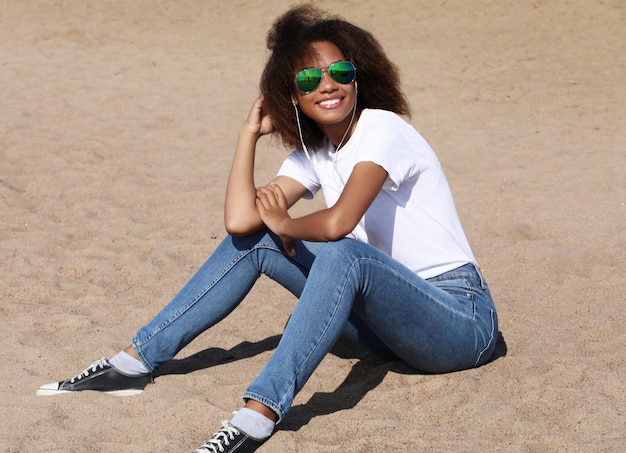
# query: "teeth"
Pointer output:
{"type": "Point", "coordinates": [330, 102]}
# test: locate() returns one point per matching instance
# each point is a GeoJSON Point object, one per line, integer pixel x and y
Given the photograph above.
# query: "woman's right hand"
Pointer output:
{"type": "Point", "coordinates": [258, 123]}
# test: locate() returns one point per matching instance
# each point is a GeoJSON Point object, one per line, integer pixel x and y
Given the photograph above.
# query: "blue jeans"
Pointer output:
{"type": "Point", "coordinates": [442, 324]}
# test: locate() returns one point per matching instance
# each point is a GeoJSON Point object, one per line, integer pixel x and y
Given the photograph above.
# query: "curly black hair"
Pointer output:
{"type": "Point", "coordinates": [289, 42]}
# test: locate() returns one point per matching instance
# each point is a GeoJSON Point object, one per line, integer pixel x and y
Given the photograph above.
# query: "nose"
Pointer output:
{"type": "Point", "coordinates": [327, 83]}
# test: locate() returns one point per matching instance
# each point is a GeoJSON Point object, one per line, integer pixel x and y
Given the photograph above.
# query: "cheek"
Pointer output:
{"type": "Point", "coordinates": [307, 107]}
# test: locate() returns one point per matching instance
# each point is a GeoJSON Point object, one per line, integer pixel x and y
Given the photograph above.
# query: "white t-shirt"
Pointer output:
{"type": "Point", "coordinates": [413, 219]}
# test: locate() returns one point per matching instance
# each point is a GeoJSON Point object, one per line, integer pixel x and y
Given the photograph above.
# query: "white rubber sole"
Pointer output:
{"type": "Point", "coordinates": [53, 389]}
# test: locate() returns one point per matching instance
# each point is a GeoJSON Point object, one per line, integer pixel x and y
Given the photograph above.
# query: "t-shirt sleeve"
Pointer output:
{"type": "Point", "coordinates": [385, 144]}
{"type": "Point", "coordinates": [298, 167]}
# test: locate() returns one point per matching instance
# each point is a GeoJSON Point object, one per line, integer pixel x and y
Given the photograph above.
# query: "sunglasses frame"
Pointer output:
{"type": "Point", "coordinates": [328, 71]}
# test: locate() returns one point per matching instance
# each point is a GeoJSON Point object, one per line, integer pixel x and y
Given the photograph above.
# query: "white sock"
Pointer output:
{"type": "Point", "coordinates": [127, 364]}
{"type": "Point", "coordinates": [253, 423]}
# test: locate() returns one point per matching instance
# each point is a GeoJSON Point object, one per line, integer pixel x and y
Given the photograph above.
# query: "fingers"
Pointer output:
{"type": "Point", "coordinates": [267, 198]}
{"type": "Point", "coordinates": [288, 246]}
{"type": "Point", "coordinates": [272, 196]}
{"type": "Point", "coordinates": [279, 194]}
{"type": "Point", "coordinates": [257, 121]}
{"type": "Point", "coordinates": [272, 205]}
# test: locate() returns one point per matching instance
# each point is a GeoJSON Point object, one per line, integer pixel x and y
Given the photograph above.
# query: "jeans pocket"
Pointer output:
{"type": "Point", "coordinates": [462, 291]}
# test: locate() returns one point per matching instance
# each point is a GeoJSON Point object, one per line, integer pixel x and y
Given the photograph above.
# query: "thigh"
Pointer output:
{"type": "Point", "coordinates": [265, 255]}
{"type": "Point", "coordinates": [431, 326]}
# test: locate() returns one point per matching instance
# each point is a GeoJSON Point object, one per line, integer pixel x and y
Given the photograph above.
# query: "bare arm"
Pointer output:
{"type": "Point", "coordinates": [240, 211]}
{"type": "Point", "coordinates": [329, 224]}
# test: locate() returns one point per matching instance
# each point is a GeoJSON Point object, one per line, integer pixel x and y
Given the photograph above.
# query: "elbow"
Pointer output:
{"type": "Point", "coordinates": [234, 230]}
{"type": "Point", "coordinates": [337, 229]}
{"type": "Point", "coordinates": [239, 227]}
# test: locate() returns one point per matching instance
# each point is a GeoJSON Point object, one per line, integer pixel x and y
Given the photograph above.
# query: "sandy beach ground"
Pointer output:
{"type": "Point", "coordinates": [117, 124]}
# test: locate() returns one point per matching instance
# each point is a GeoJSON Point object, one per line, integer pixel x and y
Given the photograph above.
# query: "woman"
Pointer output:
{"type": "Point", "coordinates": [386, 263]}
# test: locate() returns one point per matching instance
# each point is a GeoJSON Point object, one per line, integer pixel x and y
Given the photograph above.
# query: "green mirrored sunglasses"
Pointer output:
{"type": "Point", "coordinates": [309, 79]}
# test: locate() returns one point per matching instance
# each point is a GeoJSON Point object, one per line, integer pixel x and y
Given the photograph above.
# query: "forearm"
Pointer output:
{"type": "Point", "coordinates": [336, 222]}
{"type": "Point", "coordinates": [329, 224]}
{"type": "Point", "coordinates": [321, 226]}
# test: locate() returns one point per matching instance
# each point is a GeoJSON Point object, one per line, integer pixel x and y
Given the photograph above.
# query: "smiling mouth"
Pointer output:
{"type": "Point", "coordinates": [330, 102]}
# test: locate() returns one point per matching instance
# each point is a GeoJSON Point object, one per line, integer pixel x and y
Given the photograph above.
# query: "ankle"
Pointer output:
{"type": "Point", "coordinates": [253, 423]}
{"type": "Point", "coordinates": [261, 409]}
{"type": "Point", "coordinates": [130, 350]}
{"type": "Point", "coordinates": [128, 364]}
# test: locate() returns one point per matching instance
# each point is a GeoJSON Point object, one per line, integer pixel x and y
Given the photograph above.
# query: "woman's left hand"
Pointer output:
{"type": "Point", "coordinates": [271, 204]}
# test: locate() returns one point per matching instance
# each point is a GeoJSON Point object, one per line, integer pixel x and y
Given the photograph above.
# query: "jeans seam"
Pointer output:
{"type": "Point", "coordinates": [199, 295]}
{"type": "Point", "coordinates": [195, 300]}
{"type": "Point", "coordinates": [491, 337]}
{"type": "Point", "coordinates": [316, 345]}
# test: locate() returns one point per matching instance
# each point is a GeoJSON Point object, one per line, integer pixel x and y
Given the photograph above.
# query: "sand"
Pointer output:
{"type": "Point", "coordinates": [117, 124]}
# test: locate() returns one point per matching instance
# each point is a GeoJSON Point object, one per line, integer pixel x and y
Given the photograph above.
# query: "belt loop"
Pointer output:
{"type": "Point", "coordinates": [483, 282]}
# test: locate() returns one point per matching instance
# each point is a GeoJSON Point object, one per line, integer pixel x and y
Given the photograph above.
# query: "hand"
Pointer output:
{"type": "Point", "coordinates": [258, 123]}
{"type": "Point", "coordinates": [271, 204]}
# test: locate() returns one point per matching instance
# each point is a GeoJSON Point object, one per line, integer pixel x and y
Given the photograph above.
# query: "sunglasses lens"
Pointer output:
{"type": "Point", "coordinates": [342, 72]}
{"type": "Point", "coordinates": [308, 79]}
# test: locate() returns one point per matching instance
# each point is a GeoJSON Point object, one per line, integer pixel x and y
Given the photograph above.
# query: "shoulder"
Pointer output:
{"type": "Point", "coordinates": [380, 127]}
{"type": "Point", "coordinates": [375, 121]}
{"type": "Point", "coordinates": [385, 116]}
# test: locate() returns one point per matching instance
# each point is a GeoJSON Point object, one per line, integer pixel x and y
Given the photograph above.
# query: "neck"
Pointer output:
{"type": "Point", "coordinates": [339, 134]}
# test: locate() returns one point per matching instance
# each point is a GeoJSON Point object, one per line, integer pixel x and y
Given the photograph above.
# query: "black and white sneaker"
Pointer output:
{"type": "Point", "coordinates": [100, 376]}
{"type": "Point", "coordinates": [230, 439]}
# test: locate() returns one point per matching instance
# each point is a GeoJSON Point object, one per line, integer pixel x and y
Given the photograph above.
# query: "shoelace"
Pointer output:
{"type": "Point", "coordinates": [98, 364]}
{"type": "Point", "coordinates": [221, 438]}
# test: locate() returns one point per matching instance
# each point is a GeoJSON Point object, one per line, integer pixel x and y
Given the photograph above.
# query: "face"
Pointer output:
{"type": "Point", "coordinates": [330, 104]}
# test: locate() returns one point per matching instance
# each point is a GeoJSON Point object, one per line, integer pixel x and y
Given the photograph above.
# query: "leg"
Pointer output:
{"type": "Point", "coordinates": [213, 292]}
{"type": "Point", "coordinates": [217, 288]}
{"type": "Point", "coordinates": [430, 328]}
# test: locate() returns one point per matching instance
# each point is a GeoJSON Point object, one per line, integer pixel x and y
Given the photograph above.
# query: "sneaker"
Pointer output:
{"type": "Point", "coordinates": [100, 376]}
{"type": "Point", "coordinates": [230, 439]}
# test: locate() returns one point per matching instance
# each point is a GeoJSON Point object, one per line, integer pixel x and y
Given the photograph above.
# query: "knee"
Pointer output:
{"type": "Point", "coordinates": [249, 241]}
{"type": "Point", "coordinates": [343, 250]}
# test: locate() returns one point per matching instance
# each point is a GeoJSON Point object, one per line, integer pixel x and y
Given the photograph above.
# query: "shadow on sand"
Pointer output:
{"type": "Point", "coordinates": [366, 374]}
